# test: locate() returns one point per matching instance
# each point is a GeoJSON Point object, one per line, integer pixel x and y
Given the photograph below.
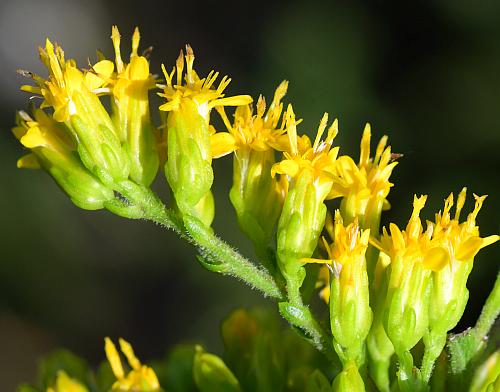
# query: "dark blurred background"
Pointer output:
{"type": "Point", "coordinates": [425, 74]}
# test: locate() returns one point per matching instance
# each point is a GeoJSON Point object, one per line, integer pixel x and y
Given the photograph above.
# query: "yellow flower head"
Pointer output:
{"type": "Point", "coordinates": [413, 244]}
{"type": "Point", "coordinates": [461, 240]}
{"type": "Point", "coordinates": [348, 248]}
{"type": "Point", "coordinates": [41, 132]}
{"type": "Point", "coordinates": [259, 132]}
{"type": "Point", "coordinates": [141, 378]}
{"type": "Point", "coordinates": [200, 91]}
{"type": "Point", "coordinates": [366, 184]}
{"type": "Point", "coordinates": [64, 81]}
{"type": "Point", "coordinates": [128, 78]}
{"type": "Point", "coordinates": [319, 160]}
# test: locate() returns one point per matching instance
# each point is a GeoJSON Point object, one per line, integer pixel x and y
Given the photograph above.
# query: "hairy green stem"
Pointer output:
{"type": "Point", "coordinates": [466, 346]}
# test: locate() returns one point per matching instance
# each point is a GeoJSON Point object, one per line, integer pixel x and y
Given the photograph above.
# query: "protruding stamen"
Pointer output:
{"type": "Point", "coordinates": [179, 65]}
{"type": "Point", "coordinates": [136, 37]}
{"type": "Point", "coordinates": [321, 129]}
{"type": "Point", "coordinates": [115, 37]}
{"type": "Point", "coordinates": [364, 156]}
{"type": "Point", "coordinates": [114, 359]}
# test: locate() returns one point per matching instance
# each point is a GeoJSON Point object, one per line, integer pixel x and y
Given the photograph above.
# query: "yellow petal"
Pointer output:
{"type": "Point", "coordinates": [29, 161]}
{"type": "Point", "coordinates": [222, 143]}
{"type": "Point", "coordinates": [34, 138]}
{"type": "Point", "coordinates": [103, 70]}
{"type": "Point", "coordinates": [113, 359]}
{"type": "Point", "coordinates": [287, 166]}
{"type": "Point", "coordinates": [31, 89]}
{"type": "Point", "coordinates": [436, 258]}
{"type": "Point", "coordinates": [129, 353]}
{"type": "Point", "coordinates": [397, 237]}
{"type": "Point", "coordinates": [468, 249]}
{"type": "Point", "coordinates": [139, 68]}
{"type": "Point", "coordinates": [73, 78]}
{"type": "Point", "coordinates": [237, 100]}
{"type": "Point", "coordinates": [169, 106]}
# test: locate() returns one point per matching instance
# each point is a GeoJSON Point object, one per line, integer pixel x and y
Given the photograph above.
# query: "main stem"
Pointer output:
{"type": "Point", "coordinates": [209, 245]}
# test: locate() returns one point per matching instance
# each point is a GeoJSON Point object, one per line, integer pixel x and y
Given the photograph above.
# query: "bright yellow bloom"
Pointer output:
{"type": "Point", "coordinates": [64, 82]}
{"type": "Point", "coordinates": [461, 240]}
{"type": "Point", "coordinates": [318, 161]}
{"type": "Point", "coordinates": [70, 93]}
{"type": "Point", "coordinates": [64, 383]}
{"type": "Point", "coordinates": [413, 244]}
{"type": "Point", "coordinates": [350, 313]}
{"type": "Point", "coordinates": [255, 195]}
{"type": "Point", "coordinates": [129, 85]}
{"type": "Point", "coordinates": [40, 133]}
{"type": "Point", "coordinates": [348, 244]}
{"type": "Point", "coordinates": [259, 132]}
{"type": "Point", "coordinates": [310, 175]}
{"type": "Point", "coordinates": [103, 78]}
{"type": "Point", "coordinates": [53, 149]}
{"type": "Point", "coordinates": [365, 186]}
{"type": "Point", "coordinates": [194, 89]}
{"type": "Point", "coordinates": [140, 379]}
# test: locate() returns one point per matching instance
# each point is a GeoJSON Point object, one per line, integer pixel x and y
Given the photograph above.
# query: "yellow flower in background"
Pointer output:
{"type": "Point", "coordinates": [201, 92]}
{"type": "Point", "coordinates": [365, 186]}
{"type": "Point", "coordinates": [64, 383]}
{"type": "Point", "coordinates": [140, 379]}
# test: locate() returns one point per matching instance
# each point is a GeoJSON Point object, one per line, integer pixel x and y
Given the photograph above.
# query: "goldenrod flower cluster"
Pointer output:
{"type": "Point", "coordinates": [387, 289]}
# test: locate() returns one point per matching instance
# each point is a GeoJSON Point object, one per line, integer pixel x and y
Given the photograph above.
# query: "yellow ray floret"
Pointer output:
{"type": "Point", "coordinates": [348, 247]}
{"type": "Point", "coordinates": [128, 77]}
{"type": "Point", "coordinates": [259, 132]}
{"type": "Point", "coordinates": [461, 240]}
{"type": "Point", "coordinates": [445, 241]}
{"type": "Point", "coordinates": [140, 378]}
{"type": "Point", "coordinates": [319, 160]}
{"type": "Point", "coordinates": [412, 244]}
{"type": "Point", "coordinates": [63, 82]}
{"type": "Point", "coordinates": [201, 91]}
{"type": "Point", "coordinates": [41, 132]}
{"type": "Point", "coordinates": [369, 178]}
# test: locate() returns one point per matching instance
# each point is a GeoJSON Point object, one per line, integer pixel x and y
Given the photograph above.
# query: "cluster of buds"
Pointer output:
{"type": "Point", "coordinates": [386, 291]}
